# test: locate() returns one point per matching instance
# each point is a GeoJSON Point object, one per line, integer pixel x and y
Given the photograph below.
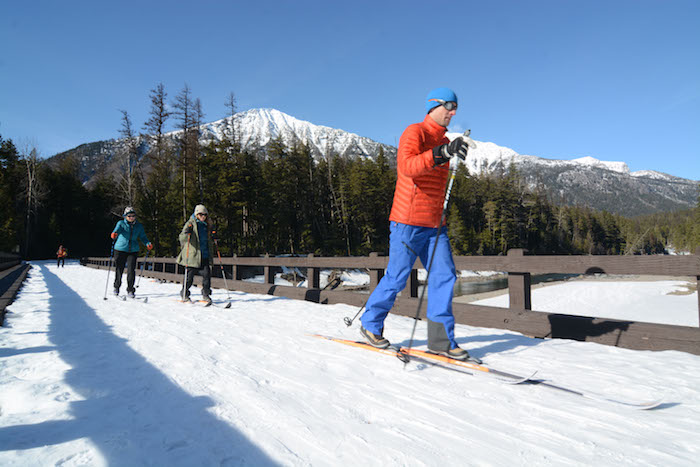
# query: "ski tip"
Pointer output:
{"type": "Point", "coordinates": [525, 379]}
{"type": "Point", "coordinates": [650, 405]}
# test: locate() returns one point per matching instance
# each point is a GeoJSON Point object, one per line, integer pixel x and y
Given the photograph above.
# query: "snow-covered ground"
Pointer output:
{"type": "Point", "coordinates": [665, 301]}
{"type": "Point", "coordinates": [84, 381]}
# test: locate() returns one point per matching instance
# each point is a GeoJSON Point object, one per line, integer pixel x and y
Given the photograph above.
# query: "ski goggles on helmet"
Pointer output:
{"type": "Point", "coordinates": [449, 105]}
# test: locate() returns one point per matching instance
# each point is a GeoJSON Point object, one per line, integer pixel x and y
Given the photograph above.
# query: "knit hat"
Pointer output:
{"type": "Point", "coordinates": [444, 94]}
{"type": "Point", "coordinates": [129, 210]}
{"type": "Point", "coordinates": [200, 209]}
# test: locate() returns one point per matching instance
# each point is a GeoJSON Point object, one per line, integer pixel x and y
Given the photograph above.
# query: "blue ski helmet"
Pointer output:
{"type": "Point", "coordinates": [444, 94]}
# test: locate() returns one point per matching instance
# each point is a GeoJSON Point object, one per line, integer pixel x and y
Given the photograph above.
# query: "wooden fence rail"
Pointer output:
{"type": "Point", "coordinates": [12, 274]}
{"type": "Point", "coordinates": [518, 317]}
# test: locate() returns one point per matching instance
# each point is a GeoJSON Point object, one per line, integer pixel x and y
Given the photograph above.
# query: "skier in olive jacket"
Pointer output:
{"type": "Point", "coordinates": [127, 234]}
{"type": "Point", "coordinates": [196, 240]}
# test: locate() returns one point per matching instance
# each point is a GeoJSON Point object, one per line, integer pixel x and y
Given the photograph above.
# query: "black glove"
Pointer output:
{"type": "Point", "coordinates": [188, 229]}
{"type": "Point", "coordinates": [445, 152]}
{"type": "Point", "coordinates": [214, 236]}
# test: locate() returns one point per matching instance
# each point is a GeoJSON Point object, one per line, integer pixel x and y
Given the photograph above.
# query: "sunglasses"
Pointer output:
{"type": "Point", "coordinates": [201, 214]}
{"type": "Point", "coordinates": [449, 105]}
{"type": "Point", "coordinates": [131, 215]}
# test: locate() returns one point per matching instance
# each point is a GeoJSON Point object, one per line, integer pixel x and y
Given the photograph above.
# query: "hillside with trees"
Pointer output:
{"type": "Point", "coordinates": [287, 202]}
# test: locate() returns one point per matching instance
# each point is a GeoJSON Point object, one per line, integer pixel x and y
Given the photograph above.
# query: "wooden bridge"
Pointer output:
{"type": "Point", "coordinates": [517, 317]}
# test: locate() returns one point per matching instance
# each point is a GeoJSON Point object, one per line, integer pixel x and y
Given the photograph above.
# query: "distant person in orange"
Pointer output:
{"type": "Point", "coordinates": [61, 255]}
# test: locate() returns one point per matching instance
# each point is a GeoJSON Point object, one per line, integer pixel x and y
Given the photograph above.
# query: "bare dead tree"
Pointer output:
{"type": "Point", "coordinates": [197, 133]}
{"type": "Point", "coordinates": [230, 126]}
{"type": "Point", "coordinates": [155, 125]}
{"type": "Point", "coordinates": [33, 192]}
{"type": "Point", "coordinates": [158, 157]}
{"type": "Point", "coordinates": [129, 160]}
{"type": "Point", "coordinates": [184, 110]}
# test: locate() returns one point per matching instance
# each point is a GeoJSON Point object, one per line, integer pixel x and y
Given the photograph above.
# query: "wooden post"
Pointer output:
{"type": "Point", "coordinates": [269, 274]}
{"type": "Point", "coordinates": [375, 275]}
{"type": "Point", "coordinates": [697, 283]}
{"type": "Point", "coordinates": [519, 284]}
{"type": "Point", "coordinates": [313, 276]}
{"type": "Point", "coordinates": [236, 271]}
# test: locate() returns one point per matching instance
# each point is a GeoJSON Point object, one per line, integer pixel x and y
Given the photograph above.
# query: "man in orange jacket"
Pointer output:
{"type": "Point", "coordinates": [422, 171]}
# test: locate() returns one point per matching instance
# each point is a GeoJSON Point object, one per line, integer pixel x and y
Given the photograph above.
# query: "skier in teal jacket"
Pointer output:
{"type": "Point", "coordinates": [127, 234]}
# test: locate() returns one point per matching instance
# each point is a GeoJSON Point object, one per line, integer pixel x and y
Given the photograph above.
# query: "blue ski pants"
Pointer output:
{"type": "Point", "coordinates": [406, 242]}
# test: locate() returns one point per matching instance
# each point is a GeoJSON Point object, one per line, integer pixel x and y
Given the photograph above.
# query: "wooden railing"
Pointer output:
{"type": "Point", "coordinates": [7, 260]}
{"type": "Point", "coordinates": [12, 274]}
{"type": "Point", "coordinates": [518, 317]}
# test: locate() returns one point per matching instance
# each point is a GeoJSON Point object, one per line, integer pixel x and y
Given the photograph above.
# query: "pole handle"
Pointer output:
{"type": "Point", "coordinates": [469, 141]}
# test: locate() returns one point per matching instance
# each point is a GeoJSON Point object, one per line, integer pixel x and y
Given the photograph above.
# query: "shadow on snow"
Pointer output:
{"type": "Point", "coordinates": [132, 412]}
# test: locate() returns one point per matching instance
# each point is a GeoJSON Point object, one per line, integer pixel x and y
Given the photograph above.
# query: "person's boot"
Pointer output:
{"type": "Point", "coordinates": [457, 353]}
{"type": "Point", "coordinates": [375, 341]}
{"type": "Point", "coordinates": [185, 296]}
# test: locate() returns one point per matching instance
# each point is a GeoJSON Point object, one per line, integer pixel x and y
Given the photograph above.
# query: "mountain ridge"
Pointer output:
{"type": "Point", "coordinates": [587, 181]}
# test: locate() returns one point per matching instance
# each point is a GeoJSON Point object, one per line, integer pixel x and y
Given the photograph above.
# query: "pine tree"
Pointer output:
{"type": "Point", "coordinates": [129, 161]}
{"type": "Point", "coordinates": [188, 144]}
{"type": "Point", "coordinates": [10, 179]}
{"type": "Point", "coordinates": [155, 202]}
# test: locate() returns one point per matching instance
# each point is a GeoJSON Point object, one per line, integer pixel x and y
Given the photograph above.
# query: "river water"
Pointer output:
{"type": "Point", "coordinates": [469, 287]}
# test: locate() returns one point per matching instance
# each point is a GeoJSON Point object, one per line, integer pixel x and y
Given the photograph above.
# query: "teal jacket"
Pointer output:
{"type": "Point", "coordinates": [129, 236]}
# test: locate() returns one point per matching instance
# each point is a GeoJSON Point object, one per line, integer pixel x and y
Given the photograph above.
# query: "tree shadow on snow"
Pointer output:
{"type": "Point", "coordinates": [132, 412]}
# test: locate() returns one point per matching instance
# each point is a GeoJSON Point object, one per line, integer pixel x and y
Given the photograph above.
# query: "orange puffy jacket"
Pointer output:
{"type": "Point", "coordinates": [420, 185]}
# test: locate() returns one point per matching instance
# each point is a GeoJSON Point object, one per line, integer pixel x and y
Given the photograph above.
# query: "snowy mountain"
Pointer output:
{"type": "Point", "coordinates": [588, 181]}
{"type": "Point", "coordinates": [584, 181]}
{"type": "Point", "coordinates": [257, 127]}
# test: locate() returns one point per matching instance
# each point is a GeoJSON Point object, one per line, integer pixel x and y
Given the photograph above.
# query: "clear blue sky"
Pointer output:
{"type": "Point", "coordinates": [561, 79]}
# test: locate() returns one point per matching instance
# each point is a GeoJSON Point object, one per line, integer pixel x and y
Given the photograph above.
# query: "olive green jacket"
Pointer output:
{"type": "Point", "coordinates": [190, 255]}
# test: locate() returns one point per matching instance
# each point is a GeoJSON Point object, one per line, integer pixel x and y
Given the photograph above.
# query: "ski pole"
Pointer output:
{"type": "Point", "coordinates": [187, 255]}
{"type": "Point", "coordinates": [223, 273]}
{"type": "Point", "coordinates": [142, 266]}
{"type": "Point", "coordinates": [109, 269]}
{"type": "Point", "coordinates": [348, 321]}
{"type": "Point", "coordinates": [453, 173]}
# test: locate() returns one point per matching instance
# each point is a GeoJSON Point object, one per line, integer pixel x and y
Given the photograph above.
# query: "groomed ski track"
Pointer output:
{"type": "Point", "coordinates": [84, 381]}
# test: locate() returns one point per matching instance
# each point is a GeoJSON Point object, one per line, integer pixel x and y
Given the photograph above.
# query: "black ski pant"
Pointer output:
{"type": "Point", "coordinates": [205, 272]}
{"type": "Point", "coordinates": [61, 261]}
{"type": "Point", "coordinates": [121, 259]}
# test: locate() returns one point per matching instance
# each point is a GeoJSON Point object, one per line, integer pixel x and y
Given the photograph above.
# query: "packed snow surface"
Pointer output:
{"type": "Point", "coordinates": [87, 381]}
{"type": "Point", "coordinates": [663, 302]}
